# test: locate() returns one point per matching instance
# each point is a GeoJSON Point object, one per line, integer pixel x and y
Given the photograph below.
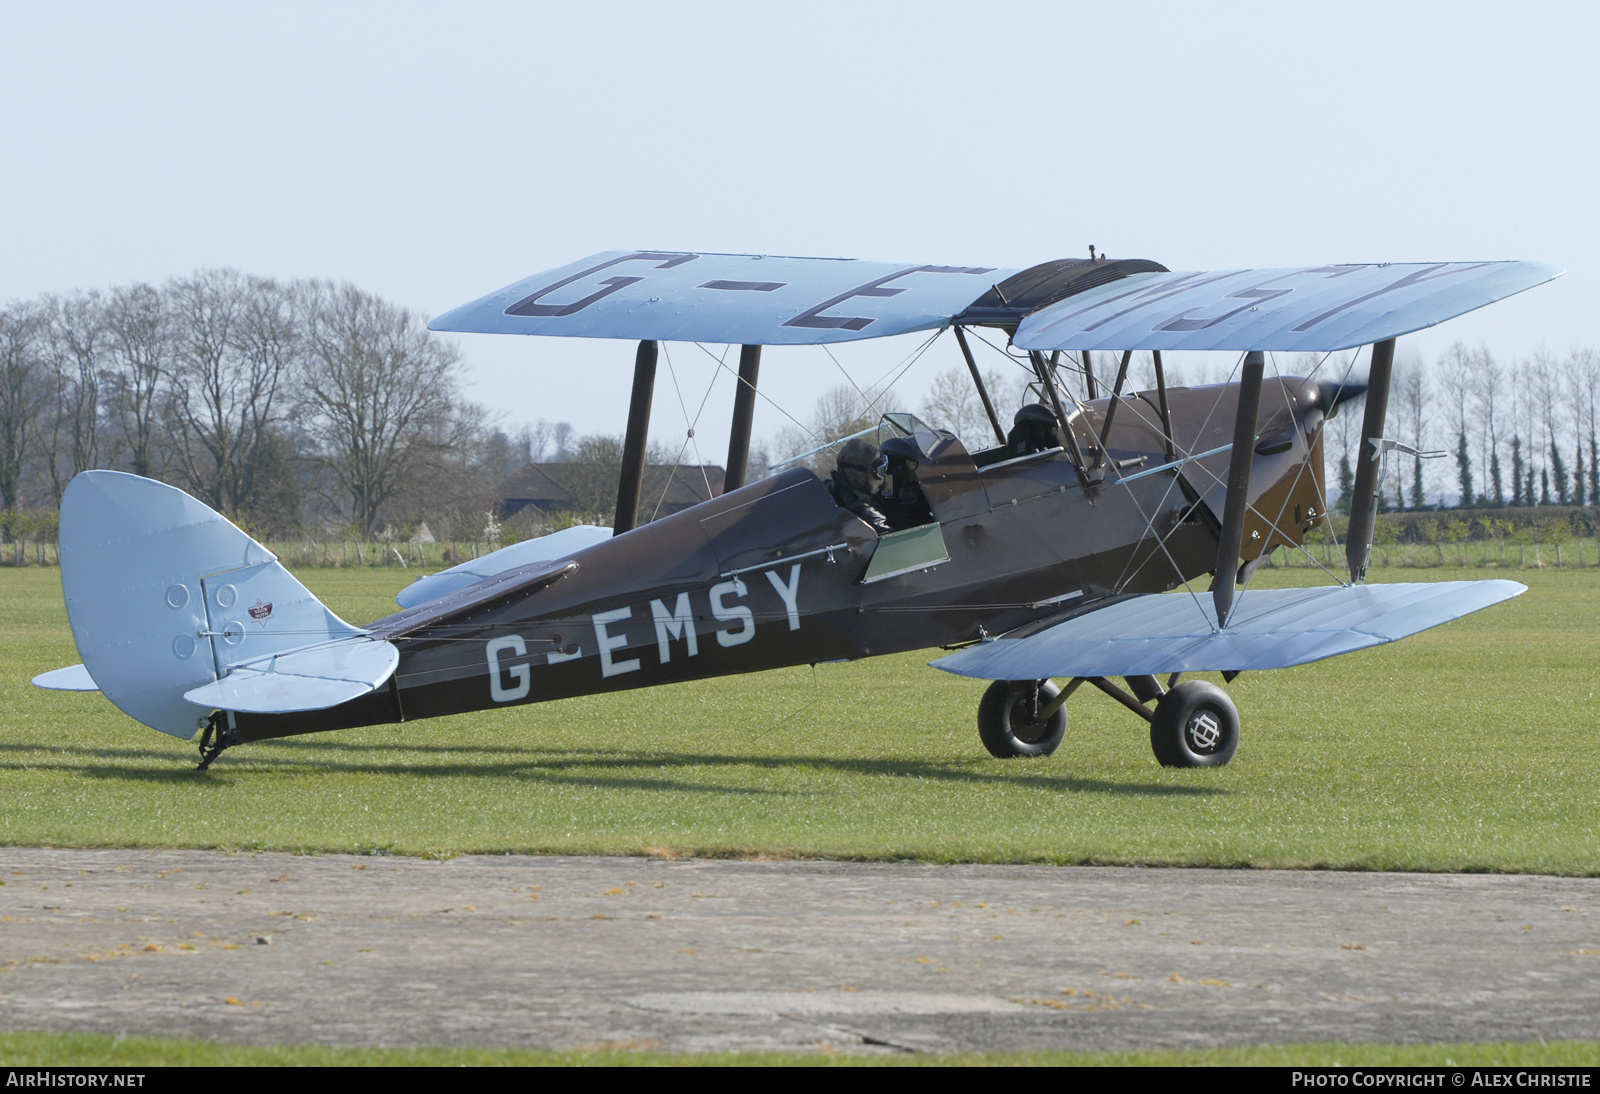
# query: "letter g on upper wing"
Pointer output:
{"type": "Point", "coordinates": [662, 260]}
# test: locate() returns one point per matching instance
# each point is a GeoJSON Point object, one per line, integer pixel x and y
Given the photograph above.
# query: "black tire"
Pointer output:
{"type": "Point", "coordinates": [1006, 723]}
{"type": "Point", "coordinates": [1196, 725]}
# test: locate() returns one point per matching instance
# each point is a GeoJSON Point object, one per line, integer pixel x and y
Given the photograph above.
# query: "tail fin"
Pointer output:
{"type": "Point", "coordinates": [164, 595]}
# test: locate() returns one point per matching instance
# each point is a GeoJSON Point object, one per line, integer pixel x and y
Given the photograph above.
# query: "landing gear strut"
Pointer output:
{"type": "Point", "coordinates": [217, 736]}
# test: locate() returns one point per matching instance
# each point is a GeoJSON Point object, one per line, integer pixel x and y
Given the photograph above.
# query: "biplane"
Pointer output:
{"type": "Point", "coordinates": [1103, 535]}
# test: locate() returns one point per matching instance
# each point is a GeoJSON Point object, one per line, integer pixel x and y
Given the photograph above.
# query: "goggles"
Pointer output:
{"type": "Point", "coordinates": [878, 467]}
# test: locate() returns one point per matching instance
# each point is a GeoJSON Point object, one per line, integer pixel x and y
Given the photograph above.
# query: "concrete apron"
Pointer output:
{"type": "Point", "coordinates": [701, 955]}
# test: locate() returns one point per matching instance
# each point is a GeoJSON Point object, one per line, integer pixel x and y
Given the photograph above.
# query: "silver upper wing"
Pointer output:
{"type": "Point", "coordinates": [750, 299]}
{"type": "Point", "coordinates": [1306, 308]}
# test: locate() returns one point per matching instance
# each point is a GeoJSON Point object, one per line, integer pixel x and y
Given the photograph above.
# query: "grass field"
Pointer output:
{"type": "Point", "coordinates": [101, 1050]}
{"type": "Point", "coordinates": [1470, 747]}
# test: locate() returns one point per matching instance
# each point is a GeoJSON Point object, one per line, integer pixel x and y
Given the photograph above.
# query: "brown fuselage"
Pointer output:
{"type": "Point", "coordinates": [770, 575]}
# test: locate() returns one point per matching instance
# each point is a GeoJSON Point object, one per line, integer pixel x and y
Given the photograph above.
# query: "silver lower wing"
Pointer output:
{"type": "Point", "coordinates": [1269, 629]}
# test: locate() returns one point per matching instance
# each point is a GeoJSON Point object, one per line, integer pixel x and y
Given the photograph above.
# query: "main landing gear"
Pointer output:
{"type": "Point", "coordinates": [1022, 718]}
{"type": "Point", "coordinates": [1193, 723]}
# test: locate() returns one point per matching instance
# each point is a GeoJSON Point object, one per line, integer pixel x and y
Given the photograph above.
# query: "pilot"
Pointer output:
{"type": "Point", "coordinates": [856, 479]}
{"type": "Point", "coordinates": [1033, 430]}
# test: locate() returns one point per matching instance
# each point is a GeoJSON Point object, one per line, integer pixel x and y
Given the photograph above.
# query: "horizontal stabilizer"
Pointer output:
{"type": "Point", "coordinates": [307, 679]}
{"type": "Point", "coordinates": [1269, 629]}
{"type": "Point", "coordinates": [568, 541]}
{"type": "Point", "coordinates": [71, 678]}
{"type": "Point", "coordinates": [757, 300]}
{"type": "Point", "coordinates": [1300, 309]}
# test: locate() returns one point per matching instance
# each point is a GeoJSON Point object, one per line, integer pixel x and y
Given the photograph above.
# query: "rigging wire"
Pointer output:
{"type": "Point", "coordinates": [899, 368]}
{"type": "Point", "coordinates": [1167, 493]}
{"type": "Point", "coordinates": [1305, 438]}
{"type": "Point", "coordinates": [1123, 578]}
{"type": "Point", "coordinates": [1272, 522]}
{"type": "Point", "coordinates": [774, 404]}
{"type": "Point", "coordinates": [1023, 360]}
{"type": "Point", "coordinates": [1161, 541]}
{"type": "Point", "coordinates": [816, 697]}
{"type": "Point", "coordinates": [913, 358]}
{"type": "Point", "coordinates": [689, 436]}
{"type": "Point", "coordinates": [829, 351]}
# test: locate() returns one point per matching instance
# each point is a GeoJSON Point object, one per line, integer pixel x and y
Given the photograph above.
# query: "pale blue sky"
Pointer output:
{"type": "Point", "coordinates": [432, 153]}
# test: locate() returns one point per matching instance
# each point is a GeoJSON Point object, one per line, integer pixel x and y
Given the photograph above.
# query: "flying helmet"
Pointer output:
{"type": "Point", "coordinates": [861, 462]}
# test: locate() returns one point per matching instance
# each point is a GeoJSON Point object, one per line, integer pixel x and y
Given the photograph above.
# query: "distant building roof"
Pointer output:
{"type": "Point", "coordinates": [563, 488]}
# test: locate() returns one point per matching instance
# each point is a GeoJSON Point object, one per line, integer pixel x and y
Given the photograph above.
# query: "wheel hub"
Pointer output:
{"type": "Point", "coordinates": [1204, 731]}
{"type": "Point", "coordinates": [1025, 727]}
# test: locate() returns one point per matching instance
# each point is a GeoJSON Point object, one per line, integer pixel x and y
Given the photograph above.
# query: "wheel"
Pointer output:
{"type": "Point", "coordinates": [1007, 719]}
{"type": "Point", "coordinates": [1196, 725]}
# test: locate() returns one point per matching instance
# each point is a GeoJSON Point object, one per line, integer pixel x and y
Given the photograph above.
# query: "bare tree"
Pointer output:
{"type": "Point", "coordinates": [76, 341]}
{"type": "Point", "coordinates": [1543, 389]}
{"type": "Point", "coordinates": [1411, 396]}
{"type": "Point", "coordinates": [236, 339]}
{"type": "Point", "coordinates": [561, 439]}
{"type": "Point", "coordinates": [536, 439]}
{"type": "Point", "coordinates": [379, 399]}
{"type": "Point", "coordinates": [140, 333]}
{"type": "Point", "coordinates": [268, 342]}
{"type": "Point", "coordinates": [501, 454]}
{"type": "Point", "coordinates": [591, 474]}
{"type": "Point", "coordinates": [202, 387]}
{"type": "Point", "coordinates": [953, 403]}
{"type": "Point", "coordinates": [760, 465]}
{"type": "Point", "coordinates": [1586, 369]}
{"type": "Point", "coordinates": [456, 488]}
{"type": "Point", "coordinates": [839, 412]}
{"type": "Point", "coordinates": [1344, 431]}
{"type": "Point", "coordinates": [1487, 387]}
{"type": "Point", "coordinates": [1580, 376]}
{"type": "Point", "coordinates": [1523, 433]}
{"type": "Point", "coordinates": [23, 393]}
{"type": "Point", "coordinates": [1456, 379]}
{"type": "Point", "coordinates": [593, 467]}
